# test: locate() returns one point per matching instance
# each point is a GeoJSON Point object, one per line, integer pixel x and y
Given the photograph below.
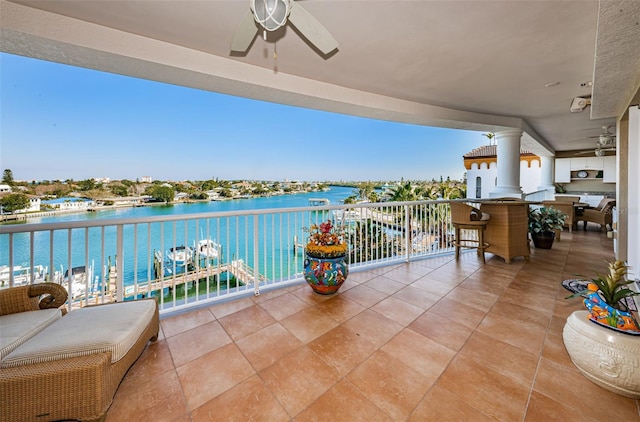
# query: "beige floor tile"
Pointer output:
{"type": "Point", "coordinates": [298, 379]}
{"type": "Point", "coordinates": [441, 405]}
{"type": "Point", "coordinates": [458, 312]}
{"type": "Point", "coordinates": [248, 401]}
{"type": "Point", "coordinates": [397, 310]}
{"type": "Point", "coordinates": [283, 306]}
{"type": "Point", "coordinates": [343, 403]}
{"type": "Point", "coordinates": [492, 393]}
{"type": "Point", "coordinates": [365, 296]}
{"type": "Point", "coordinates": [420, 353]}
{"type": "Point", "coordinates": [160, 398]}
{"type": "Point", "coordinates": [184, 322]}
{"type": "Point", "coordinates": [246, 321]}
{"type": "Point", "coordinates": [384, 285]}
{"type": "Point", "coordinates": [406, 274]}
{"type": "Point", "coordinates": [482, 301]}
{"type": "Point", "coordinates": [542, 408]}
{"type": "Point", "coordinates": [375, 328]}
{"type": "Point", "coordinates": [570, 387]}
{"type": "Point", "coordinates": [390, 384]}
{"type": "Point", "coordinates": [442, 330]}
{"type": "Point", "coordinates": [502, 357]}
{"type": "Point", "coordinates": [342, 349]}
{"type": "Point", "coordinates": [266, 346]}
{"type": "Point", "coordinates": [210, 375]}
{"type": "Point", "coordinates": [340, 308]}
{"type": "Point", "coordinates": [154, 361]}
{"type": "Point", "coordinates": [522, 314]}
{"type": "Point", "coordinates": [227, 308]}
{"type": "Point", "coordinates": [525, 335]}
{"type": "Point", "coordinates": [417, 297]}
{"type": "Point", "coordinates": [554, 350]}
{"type": "Point", "coordinates": [309, 324]}
{"type": "Point", "coordinates": [196, 342]}
{"type": "Point", "coordinates": [432, 286]}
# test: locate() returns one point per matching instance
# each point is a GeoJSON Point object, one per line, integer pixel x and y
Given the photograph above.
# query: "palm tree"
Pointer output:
{"type": "Point", "coordinates": [404, 192]}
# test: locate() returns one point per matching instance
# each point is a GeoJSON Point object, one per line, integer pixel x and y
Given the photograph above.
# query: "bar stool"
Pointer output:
{"type": "Point", "coordinates": [466, 217]}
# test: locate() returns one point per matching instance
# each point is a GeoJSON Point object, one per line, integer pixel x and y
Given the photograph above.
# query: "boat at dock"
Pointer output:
{"type": "Point", "coordinates": [207, 248]}
{"type": "Point", "coordinates": [318, 202]}
{"type": "Point", "coordinates": [79, 279]}
{"type": "Point", "coordinates": [180, 255]}
{"type": "Point", "coordinates": [22, 275]}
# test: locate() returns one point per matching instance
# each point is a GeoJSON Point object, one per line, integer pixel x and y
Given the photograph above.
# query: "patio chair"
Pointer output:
{"type": "Point", "coordinates": [66, 367]}
{"type": "Point", "coordinates": [603, 214]}
{"type": "Point", "coordinates": [466, 217]}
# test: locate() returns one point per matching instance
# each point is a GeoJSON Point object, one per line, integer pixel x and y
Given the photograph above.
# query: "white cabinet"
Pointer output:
{"type": "Point", "coordinates": [563, 170]}
{"type": "Point", "coordinates": [609, 174]}
{"type": "Point", "coordinates": [587, 163]}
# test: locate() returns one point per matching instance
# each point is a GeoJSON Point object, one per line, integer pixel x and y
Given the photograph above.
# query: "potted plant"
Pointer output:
{"type": "Point", "coordinates": [325, 266]}
{"type": "Point", "coordinates": [606, 299]}
{"type": "Point", "coordinates": [604, 340]}
{"type": "Point", "coordinates": [543, 223]}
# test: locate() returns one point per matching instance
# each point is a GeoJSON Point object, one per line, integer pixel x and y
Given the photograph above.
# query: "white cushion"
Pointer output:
{"type": "Point", "coordinates": [17, 328]}
{"type": "Point", "coordinates": [113, 327]}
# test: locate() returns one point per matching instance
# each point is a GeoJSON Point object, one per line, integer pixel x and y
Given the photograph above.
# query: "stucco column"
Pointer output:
{"type": "Point", "coordinates": [508, 148]}
{"type": "Point", "coordinates": [547, 167]}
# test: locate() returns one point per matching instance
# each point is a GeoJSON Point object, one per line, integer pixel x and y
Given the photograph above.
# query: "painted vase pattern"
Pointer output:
{"type": "Point", "coordinates": [325, 275]}
{"type": "Point", "coordinates": [603, 314]}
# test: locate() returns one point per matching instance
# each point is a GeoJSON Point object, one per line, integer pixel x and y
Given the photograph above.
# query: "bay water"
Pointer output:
{"type": "Point", "coordinates": [151, 238]}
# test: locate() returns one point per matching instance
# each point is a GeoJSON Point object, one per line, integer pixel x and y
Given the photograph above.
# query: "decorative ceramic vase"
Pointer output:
{"type": "Point", "coordinates": [606, 357]}
{"type": "Point", "coordinates": [543, 240]}
{"type": "Point", "coordinates": [325, 275]}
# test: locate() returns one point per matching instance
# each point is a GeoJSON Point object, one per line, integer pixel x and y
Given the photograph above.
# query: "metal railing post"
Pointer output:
{"type": "Point", "coordinates": [408, 233]}
{"type": "Point", "coordinates": [256, 256]}
{"type": "Point", "coordinates": [119, 263]}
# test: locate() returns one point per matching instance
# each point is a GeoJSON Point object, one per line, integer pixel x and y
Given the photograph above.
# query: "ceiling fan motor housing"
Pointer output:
{"type": "Point", "coordinates": [271, 14]}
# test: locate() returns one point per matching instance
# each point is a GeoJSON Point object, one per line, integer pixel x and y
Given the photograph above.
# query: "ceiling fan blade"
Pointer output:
{"type": "Point", "coordinates": [245, 33]}
{"type": "Point", "coordinates": [584, 153]}
{"type": "Point", "coordinates": [311, 29]}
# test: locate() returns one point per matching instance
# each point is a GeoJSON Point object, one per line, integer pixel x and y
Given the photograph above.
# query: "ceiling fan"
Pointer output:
{"type": "Point", "coordinates": [606, 138]}
{"type": "Point", "coordinates": [274, 14]}
{"type": "Point", "coordinates": [606, 142]}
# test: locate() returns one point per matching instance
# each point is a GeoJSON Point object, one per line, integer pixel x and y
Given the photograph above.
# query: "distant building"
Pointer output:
{"type": "Point", "coordinates": [482, 171]}
{"type": "Point", "coordinates": [103, 180]}
{"type": "Point", "coordinates": [34, 201]}
{"type": "Point", "coordinates": [146, 179]}
{"type": "Point", "coordinates": [69, 204]}
{"type": "Point", "coordinates": [34, 204]}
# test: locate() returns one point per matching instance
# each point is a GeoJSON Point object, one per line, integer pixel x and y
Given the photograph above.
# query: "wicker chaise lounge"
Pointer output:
{"type": "Point", "coordinates": [56, 367]}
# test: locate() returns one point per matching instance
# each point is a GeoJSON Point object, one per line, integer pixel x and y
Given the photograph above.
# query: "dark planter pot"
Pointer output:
{"type": "Point", "coordinates": [325, 275]}
{"type": "Point", "coordinates": [543, 240]}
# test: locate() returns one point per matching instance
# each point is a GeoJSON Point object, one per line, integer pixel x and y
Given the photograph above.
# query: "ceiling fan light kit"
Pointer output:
{"type": "Point", "coordinates": [271, 14]}
{"type": "Point", "coordinates": [274, 14]}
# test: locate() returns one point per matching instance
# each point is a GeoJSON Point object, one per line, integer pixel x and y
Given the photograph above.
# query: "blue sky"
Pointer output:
{"type": "Point", "coordinates": [64, 122]}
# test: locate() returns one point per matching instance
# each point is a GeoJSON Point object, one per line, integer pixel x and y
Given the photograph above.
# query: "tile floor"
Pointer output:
{"type": "Point", "coordinates": [430, 340]}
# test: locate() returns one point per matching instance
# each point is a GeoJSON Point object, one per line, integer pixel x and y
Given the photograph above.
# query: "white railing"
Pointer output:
{"type": "Point", "coordinates": [227, 253]}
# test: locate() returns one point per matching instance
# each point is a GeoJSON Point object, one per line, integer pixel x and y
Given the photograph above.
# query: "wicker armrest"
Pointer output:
{"type": "Point", "coordinates": [51, 295]}
{"type": "Point", "coordinates": [31, 298]}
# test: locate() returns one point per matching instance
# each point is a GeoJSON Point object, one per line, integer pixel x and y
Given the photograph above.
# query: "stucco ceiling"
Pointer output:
{"type": "Point", "coordinates": [468, 64]}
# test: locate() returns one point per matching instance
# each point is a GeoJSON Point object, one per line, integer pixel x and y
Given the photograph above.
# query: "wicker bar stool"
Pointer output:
{"type": "Point", "coordinates": [466, 217]}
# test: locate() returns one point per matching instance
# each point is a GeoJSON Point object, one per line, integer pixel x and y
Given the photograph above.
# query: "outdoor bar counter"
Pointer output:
{"type": "Point", "coordinates": [507, 231]}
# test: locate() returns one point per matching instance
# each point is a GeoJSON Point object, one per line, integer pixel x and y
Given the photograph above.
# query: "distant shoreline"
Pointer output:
{"type": "Point", "coordinates": [24, 217]}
